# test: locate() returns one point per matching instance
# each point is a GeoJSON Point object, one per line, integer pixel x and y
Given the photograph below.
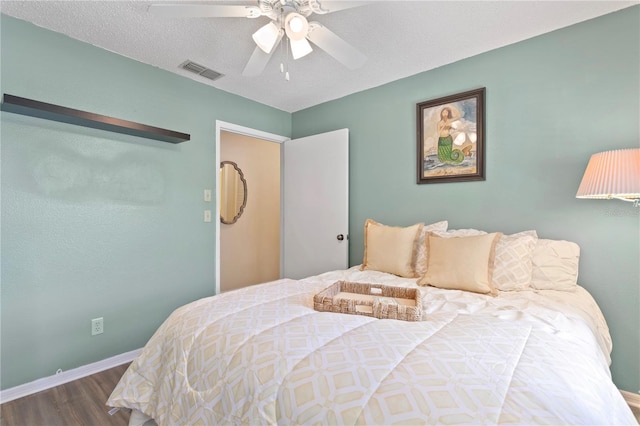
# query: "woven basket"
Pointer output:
{"type": "Point", "coordinates": [374, 300]}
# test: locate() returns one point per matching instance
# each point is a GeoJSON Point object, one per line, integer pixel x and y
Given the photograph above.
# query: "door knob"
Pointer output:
{"type": "Point", "coordinates": [340, 237]}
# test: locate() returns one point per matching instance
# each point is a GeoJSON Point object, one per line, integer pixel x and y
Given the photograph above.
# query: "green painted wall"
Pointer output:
{"type": "Point", "coordinates": [96, 224]}
{"type": "Point", "coordinates": [551, 102]}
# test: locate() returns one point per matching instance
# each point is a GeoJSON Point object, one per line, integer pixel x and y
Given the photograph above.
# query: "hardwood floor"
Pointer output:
{"type": "Point", "coordinates": [636, 412]}
{"type": "Point", "coordinates": [81, 403]}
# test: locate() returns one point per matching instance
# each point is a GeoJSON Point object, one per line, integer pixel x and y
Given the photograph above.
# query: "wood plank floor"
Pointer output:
{"type": "Point", "coordinates": [81, 403]}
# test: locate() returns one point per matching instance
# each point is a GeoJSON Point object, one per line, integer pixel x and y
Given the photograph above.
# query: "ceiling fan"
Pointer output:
{"type": "Point", "coordinates": [288, 22]}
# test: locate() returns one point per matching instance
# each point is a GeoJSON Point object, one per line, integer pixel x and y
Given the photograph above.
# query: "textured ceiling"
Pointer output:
{"type": "Point", "coordinates": [399, 38]}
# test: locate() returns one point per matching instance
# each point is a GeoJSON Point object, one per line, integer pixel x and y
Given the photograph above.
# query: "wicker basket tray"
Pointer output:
{"type": "Point", "coordinates": [373, 300]}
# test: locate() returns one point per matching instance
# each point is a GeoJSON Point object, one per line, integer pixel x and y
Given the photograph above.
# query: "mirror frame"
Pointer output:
{"type": "Point", "coordinates": [244, 185]}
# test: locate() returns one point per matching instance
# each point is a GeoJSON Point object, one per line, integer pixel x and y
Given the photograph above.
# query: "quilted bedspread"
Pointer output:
{"type": "Point", "coordinates": [263, 355]}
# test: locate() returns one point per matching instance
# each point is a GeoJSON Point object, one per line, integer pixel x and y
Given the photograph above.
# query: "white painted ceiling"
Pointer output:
{"type": "Point", "coordinates": [399, 38]}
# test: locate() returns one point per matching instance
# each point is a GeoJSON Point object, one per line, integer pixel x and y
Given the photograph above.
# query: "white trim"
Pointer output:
{"type": "Point", "coordinates": [66, 376]}
{"type": "Point", "coordinates": [246, 131]}
{"type": "Point", "coordinates": [632, 399]}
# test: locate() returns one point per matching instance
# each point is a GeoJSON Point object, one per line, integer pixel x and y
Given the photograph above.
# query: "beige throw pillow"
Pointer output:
{"type": "Point", "coordinates": [390, 249]}
{"type": "Point", "coordinates": [439, 229]}
{"type": "Point", "coordinates": [421, 256]}
{"type": "Point", "coordinates": [461, 263]}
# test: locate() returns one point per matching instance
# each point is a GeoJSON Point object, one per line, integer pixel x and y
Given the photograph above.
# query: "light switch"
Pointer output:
{"type": "Point", "coordinates": [207, 215]}
{"type": "Point", "coordinates": [207, 195]}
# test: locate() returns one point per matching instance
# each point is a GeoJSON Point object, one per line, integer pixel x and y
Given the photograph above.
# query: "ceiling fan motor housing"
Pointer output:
{"type": "Point", "coordinates": [276, 8]}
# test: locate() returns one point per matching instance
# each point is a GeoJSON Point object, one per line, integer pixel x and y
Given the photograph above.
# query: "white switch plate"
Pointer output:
{"type": "Point", "coordinates": [207, 215]}
{"type": "Point", "coordinates": [207, 195]}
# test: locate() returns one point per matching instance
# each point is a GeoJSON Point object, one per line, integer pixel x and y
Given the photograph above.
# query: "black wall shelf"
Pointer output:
{"type": "Point", "coordinates": [24, 106]}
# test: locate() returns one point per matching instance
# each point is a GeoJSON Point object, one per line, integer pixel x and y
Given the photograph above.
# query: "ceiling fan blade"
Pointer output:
{"type": "Point", "coordinates": [342, 51]}
{"type": "Point", "coordinates": [328, 6]}
{"type": "Point", "coordinates": [173, 10]}
{"type": "Point", "coordinates": [257, 62]}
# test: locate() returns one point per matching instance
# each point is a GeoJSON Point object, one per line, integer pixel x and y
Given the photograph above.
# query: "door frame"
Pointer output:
{"type": "Point", "coordinates": [254, 133]}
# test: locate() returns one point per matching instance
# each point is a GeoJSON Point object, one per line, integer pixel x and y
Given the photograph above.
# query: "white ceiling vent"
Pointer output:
{"type": "Point", "coordinates": [199, 69]}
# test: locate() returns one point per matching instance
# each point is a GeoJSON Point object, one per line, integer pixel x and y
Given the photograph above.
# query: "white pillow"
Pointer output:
{"type": "Point", "coordinates": [514, 264]}
{"type": "Point", "coordinates": [468, 232]}
{"type": "Point", "coordinates": [390, 249]}
{"type": "Point", "coordinates": [555, 265]}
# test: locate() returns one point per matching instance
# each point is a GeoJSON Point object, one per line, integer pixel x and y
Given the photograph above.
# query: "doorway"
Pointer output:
{"type": "Point", "coordinates": [249, 251]}
{"type": "Point", "coordinates": [250, 245]}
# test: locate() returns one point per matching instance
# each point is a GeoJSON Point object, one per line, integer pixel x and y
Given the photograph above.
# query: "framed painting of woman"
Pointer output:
{"type": "Point", "coordinates": [451, 138]}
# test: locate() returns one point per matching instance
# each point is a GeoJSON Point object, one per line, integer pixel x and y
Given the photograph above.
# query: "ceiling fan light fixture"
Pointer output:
{"type": "Point", "coordinates": [296, 26]}
{"type": "Point", "coordinates": [300, 48]}
{"type": "Point", "coordinates": [267, 37]}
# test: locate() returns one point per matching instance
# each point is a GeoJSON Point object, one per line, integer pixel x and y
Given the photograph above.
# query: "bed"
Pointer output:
{"type": "Point", "coordinates": [523, 354]}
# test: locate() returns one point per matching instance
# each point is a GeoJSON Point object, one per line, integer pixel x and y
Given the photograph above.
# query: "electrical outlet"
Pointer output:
{"type": "Point", "coordinates": [97, 326]}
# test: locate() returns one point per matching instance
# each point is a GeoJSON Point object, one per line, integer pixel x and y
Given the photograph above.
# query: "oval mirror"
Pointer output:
{"type": "Point", "coordinates": [233, 192]}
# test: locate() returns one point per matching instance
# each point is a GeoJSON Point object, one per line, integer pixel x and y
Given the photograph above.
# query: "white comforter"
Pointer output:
{"type": "Point", "coordinates": [262, 355]}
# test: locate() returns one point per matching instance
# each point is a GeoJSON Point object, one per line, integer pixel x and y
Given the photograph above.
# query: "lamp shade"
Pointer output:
{"type": "Point", "coordinates": [296, 26]}
{"type": "Point", "coordinates": [267, 37]}
{"type": "Point", "coordinates": [300, 48]}
{"type": "Point", "coordinates": [612, 174]}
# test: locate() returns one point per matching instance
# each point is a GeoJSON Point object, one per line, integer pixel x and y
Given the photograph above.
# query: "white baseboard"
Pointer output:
{"type": "Point", "coordinates": [66, 376]}
{"type": "Point", "coordinates": [633, 399]}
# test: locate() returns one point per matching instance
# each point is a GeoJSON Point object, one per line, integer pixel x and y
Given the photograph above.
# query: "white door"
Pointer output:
{"type": "Point", "coordinates": [316, 204]}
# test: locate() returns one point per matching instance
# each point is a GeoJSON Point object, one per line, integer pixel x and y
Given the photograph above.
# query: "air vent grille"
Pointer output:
{"type": "Point", "coordinates": [201, 70]}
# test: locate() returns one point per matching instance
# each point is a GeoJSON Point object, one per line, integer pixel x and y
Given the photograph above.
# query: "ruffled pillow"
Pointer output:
{"type": "Point", "coordinates": [555, 265]}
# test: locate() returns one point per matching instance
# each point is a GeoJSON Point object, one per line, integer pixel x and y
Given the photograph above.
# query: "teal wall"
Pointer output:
{"type": "Point", "coordinates": [96, 224]}
{"type": "Point", "coordinates": [551, 102]}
